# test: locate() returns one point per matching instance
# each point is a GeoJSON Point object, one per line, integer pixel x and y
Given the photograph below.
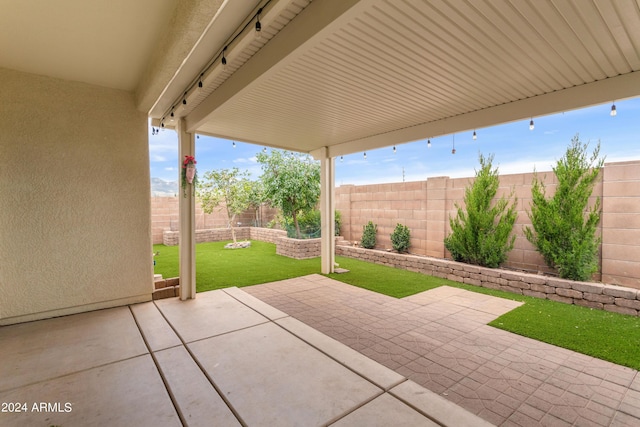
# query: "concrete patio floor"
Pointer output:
{"type": "Point", "coordinates": [223, 359]}
{"type": "Point", "coordinates": [439, 339]}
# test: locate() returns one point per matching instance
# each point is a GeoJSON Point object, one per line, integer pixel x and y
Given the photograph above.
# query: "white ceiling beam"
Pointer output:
{"type": "Point", "coordinates": [607, 90]}
{"type": "Point", "coordinates": [310, 27]}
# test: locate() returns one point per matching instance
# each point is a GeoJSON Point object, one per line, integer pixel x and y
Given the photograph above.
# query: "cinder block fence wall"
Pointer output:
{"type": "Point", "coordinates": [425, 207]}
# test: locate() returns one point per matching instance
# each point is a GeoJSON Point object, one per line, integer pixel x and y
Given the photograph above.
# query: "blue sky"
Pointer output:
{"type": "Point", "coordinates": [516, 149]}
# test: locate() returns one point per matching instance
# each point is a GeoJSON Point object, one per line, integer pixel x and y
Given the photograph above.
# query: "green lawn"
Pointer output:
{"type": "Point", "coordinates": [217, 267]}
{"type": "Point", "coordinates": [609, 336]}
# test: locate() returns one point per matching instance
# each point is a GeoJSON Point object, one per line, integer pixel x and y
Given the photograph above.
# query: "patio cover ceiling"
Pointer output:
{"type": "Point", "coordinates": [349, 75]}
{"type": "Point", "coordinates": [355, 75]}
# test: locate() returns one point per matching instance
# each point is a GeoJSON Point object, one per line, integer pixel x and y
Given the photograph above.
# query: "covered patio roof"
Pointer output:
{"type": "Point", "coordinates": [349, 75]}
{"type": "Point", "coordinates": [357, 75]}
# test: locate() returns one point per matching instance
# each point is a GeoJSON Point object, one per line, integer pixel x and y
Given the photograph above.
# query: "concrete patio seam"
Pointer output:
{"type": "Point", "coordinates": [204, 372]}
{"type": "Point", "coordinates": [347, 413]}
{"type": "Point", "coordinates": [352, 369]}
{"type": "Point", "coordinates": [159, 369]}
{"type": "Point", "coordinates": [68, 374]}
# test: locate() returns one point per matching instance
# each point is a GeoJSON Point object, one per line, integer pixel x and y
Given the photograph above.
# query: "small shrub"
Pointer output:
{"type": "Point", "coordinates": [369, 232]}
{"type": "Point", "coordinates": [338, 219]}
{"type": "Point", "coordinates": [400, 238]}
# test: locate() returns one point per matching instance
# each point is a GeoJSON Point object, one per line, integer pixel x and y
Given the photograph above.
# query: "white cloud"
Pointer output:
{"type": "Point", "coordinates": [243, 160]}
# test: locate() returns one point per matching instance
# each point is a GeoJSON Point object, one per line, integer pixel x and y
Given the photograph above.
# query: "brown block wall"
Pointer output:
{"type": "Point", "coordinates": [425, 207]}
{"type": "Point", "coordinates": [621, 224]}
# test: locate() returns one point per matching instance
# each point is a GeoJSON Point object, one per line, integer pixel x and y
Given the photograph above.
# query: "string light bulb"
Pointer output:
{"type": "Point", "coordinates": [258, 32]}
{"type": "Point", "coordinates": [453, 150]}
{"type": "Point", "coordinates": [200, 81]}
{"type": "Point", "coordinates": [264, 150]}
{"type": "Point", "coordinates": [184, 99]}
{"type": "Point", "coordinates": [234, 144]}
{"type": "Point", "coordinates": [428, 143]}
{"type": "Point", "coordinates": [531, 125]}
{"type": "Point", "coordinates": [224, 59]}
{"type": "Point", "coordinates": [614, 112]}
{"type": "Point", "coordinates": [341, 158]}
{"type": "Point", "coordinates": [394, 149]}
{"type": "Point", "coordinates": [475, 136]}
{"type": "Point", "coordinates": [365, 155]}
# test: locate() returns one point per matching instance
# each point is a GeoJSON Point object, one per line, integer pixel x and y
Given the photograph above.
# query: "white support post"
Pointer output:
{"type": "Point", "coordinates": [327, 212]}
{"type": "Point", "coordinates": [187, 219]}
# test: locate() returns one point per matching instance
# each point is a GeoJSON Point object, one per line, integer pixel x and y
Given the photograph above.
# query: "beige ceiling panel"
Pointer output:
{"type": "Point", "coordinates": [386, 72]}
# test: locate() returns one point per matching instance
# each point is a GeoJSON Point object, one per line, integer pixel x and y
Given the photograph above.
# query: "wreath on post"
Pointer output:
{"type": "Point", "coordinates": [189, 173]}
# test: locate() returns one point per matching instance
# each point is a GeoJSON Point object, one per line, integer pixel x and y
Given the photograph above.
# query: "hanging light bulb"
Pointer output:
{"type": "Point", "coordinates": [341, 158]}
{"type": "Point", "coordinates": [474, 135]}
{"type": "Point", "coordinates": [428, 143]}
{"type": "Point", "coordinates": [200, 81]}
{"type": "Point", "coordinates": [365, 155]}
{"type": "Point", "coordinates": [153, 131]}
{"type": "Point", "coordinates": [394, 149]}
{"type": "Point", "coordinates": [531, 126]}
{"type": "Point", "coordinates": [453, 150]}
{"type": "Point", "coordinates": [224, 60]}
{"type": "Point", "coordinates": [258, 32]}
{"type": "Point", "coordinates": [197, 136]}
{"type": "Point", "coordinates": [613, 110]}
{"type": "Point", "coordinates": [184, 99]}
{"type": "Point", "coordinates": [264, 150]}
{"type": "Point", "coordinates": [234, 144]}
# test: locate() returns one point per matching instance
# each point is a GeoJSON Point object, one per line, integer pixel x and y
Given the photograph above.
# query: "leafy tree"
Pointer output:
{"type": "Point", "coordinates": [291, 182]}
{"type": "Point", "coordinates": [369, 232]}
{"type": "Point", "coordinates": [228, 186]}
{"type": "Point", "coordinates": [256, 199]}
{"type": "Point", "coordinates": [481, 234]}
{"type": "Point", "coordinates": [564, 227]}
{"type": "Point", "coordinates": [400, 238]}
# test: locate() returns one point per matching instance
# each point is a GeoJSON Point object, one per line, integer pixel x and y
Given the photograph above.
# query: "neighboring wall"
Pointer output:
{"type": "Point", "coordinates": [165, 217]}
{"type": "Point", "coordinates": [75, 232]}
{"type": "Point", "coordinates": [425, 207]}
{"type": "Point", "coordinates": [621, 224]}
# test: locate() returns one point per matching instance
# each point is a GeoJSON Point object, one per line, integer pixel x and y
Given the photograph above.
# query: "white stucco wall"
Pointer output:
{"type": "Point", "coordinates": [75, 231]}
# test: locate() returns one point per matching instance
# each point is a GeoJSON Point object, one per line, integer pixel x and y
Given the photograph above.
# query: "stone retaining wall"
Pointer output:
{"type": "Point", "coordinates": [300, 248]}
{"type": "Point", "coordinates": [270, 235]}
{"type": "Point", "coordinates": [172, 238]}
{"type": "Point", "coordinates": [595, 295]}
